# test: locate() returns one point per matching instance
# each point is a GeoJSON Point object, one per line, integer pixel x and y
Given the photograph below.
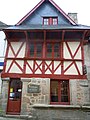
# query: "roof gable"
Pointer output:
{"type": "Point", "coordinates": [43, 9]}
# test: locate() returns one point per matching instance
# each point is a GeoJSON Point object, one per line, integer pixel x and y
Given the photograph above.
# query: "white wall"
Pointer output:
{"type": "Point", "coordinates": [3, 44]}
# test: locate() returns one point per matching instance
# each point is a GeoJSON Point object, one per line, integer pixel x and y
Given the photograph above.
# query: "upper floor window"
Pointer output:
{"type": "Point", "coordinates": [50, 21]}
{"type": "Point", "coordinates": [36, 50]}
{"type": "Point", "coordinates": [54, 21]}
{"type": "Point", "coordinates": [53, 50]}
{"type": "Point", "coordinates": [50, 50]}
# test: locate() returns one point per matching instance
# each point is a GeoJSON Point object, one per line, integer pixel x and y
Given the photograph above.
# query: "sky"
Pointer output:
{"type": "Point", "coordinates": [11, 11]}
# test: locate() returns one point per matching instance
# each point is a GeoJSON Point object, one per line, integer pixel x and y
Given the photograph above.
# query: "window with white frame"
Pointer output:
{"type": "Point", "coordinates": [50, 20]}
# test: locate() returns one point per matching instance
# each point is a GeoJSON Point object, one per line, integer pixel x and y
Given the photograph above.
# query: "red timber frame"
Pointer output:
{"type": "Point", "coordinates": [43, 59]}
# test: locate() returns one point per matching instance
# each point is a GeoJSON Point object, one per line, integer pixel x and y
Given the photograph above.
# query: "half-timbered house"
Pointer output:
{"type": "Point", "coordinates": [44, 65]}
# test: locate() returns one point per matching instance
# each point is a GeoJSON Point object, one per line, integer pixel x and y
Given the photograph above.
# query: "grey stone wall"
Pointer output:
{"type": "Point", "coordinates": [87, 63]}
{"type": "Point", "coordinates": [4, 97]}
{"type": "Point", "coordinates": [87, 58]}
{"type": "Point", "coordinates": [79, 92]}
{"type": "Point", "coordinates": [42, 97]}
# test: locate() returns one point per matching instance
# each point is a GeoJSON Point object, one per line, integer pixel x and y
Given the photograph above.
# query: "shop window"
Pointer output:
{"type": "Point", "coordinates": [59, 92]}
{"type": "Point", "coordinates": [50, 21]}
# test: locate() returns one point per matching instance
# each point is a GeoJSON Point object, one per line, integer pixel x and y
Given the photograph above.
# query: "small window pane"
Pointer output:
{"type": "Point", "coordinates": [32, 47]}
{"type": "Point", "coordinates": [39, 50]}
{"type": "Point", "coordinates": [64, 91]}
{"type": "Point", "coordinates": [46, 21]}
{"type": "Point", "coordinates": [54, 91]}
{"type": "Point", "coordinates": [15, 89]}
{"type": "Point", "coordinates": [49, 50]}
{"type": "Point", "coordinates": [56, 51]}
{"type": "Point", "coordinates": [54, 21]}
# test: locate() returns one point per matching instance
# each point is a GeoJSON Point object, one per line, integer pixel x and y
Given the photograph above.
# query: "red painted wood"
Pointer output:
{"type": "Point", "coordinates": [59, 92]}
{"type": "Point", "coordinates": [14, 103]}
{"type": "Point", "coordinates": [17, 75]}
{"type": "Point", "coordinates": [10, 46]}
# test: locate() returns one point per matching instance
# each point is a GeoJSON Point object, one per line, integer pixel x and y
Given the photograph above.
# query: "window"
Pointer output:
{"type": "Point", "coordinates": [60, 91]}
{"type": "Point", "coordinates": [54, 21]}
{"type": "Point", "coordinates": [15, 89]}
{"type": "Point", "coordinates": [52, 50]}
{"type": "Point", "coordinates": [50, 21]}
{"type": "Point", "coordinates": [36, 50]}
{"type": "Point", "coordinates": [46, 21]}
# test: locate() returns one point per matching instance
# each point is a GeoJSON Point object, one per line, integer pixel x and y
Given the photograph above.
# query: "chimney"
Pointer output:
{"type": "Point", "coordinates": [73, 16]}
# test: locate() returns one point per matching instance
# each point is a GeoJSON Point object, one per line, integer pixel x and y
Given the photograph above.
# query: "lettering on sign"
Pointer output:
{"type": "Point", "coordinates": [32, 88]}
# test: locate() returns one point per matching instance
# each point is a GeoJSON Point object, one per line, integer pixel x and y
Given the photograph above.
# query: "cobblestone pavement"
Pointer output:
{"type": "Point", "coordinates": [6, 118]}
{"type": "Point", "coordinates": [17, 117]}
{"type": "Point", "coordinates": [12, 118]}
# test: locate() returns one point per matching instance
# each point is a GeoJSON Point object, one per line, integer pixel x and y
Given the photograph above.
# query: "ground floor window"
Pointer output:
{"type": "Point", "coordinates": [59, 92]}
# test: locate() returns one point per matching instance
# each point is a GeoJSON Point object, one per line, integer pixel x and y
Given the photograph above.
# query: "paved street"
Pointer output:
{"type": "Point", "coordinates": [6, 118]}
{"type": "Point", "coordinates": [12, 118]}
{"type": "Point", "coordinates": [16, 118]}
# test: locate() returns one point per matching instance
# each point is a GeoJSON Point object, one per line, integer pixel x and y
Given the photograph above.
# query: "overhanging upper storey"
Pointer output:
{"type": "Point", "coordinates": [78, 32]}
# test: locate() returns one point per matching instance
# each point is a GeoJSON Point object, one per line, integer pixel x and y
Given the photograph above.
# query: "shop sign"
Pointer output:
{"type": "Point", "coordinates": [32, 88]}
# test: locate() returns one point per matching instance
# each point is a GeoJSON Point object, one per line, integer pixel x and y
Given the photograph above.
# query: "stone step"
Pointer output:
{"type": "Point", "coordinates": [18, 117]}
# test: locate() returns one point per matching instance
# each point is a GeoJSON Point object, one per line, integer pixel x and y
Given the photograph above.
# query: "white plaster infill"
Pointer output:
{"type": "Point", "coordinates": [5, 79]}
{"type": "Point", "coordinates": [60, 106]}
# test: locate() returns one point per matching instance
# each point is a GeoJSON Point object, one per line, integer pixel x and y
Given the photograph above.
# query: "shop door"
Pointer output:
{"type": "Point", "coordinates": [14, 98]}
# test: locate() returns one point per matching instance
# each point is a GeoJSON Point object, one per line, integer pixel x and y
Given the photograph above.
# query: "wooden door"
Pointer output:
{"type": "Point", "coordinates": [14, 97]}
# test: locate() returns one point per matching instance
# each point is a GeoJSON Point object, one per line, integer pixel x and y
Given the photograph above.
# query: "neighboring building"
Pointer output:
{"type": "Point", "coordinates": [45, 73]}
{"type": "Point", "coordinates": [2, 48]}
{"type": "Point", "coordinates": [3, 44]}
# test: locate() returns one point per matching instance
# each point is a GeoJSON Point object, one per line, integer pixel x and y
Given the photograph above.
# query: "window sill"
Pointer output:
{"type": "Point", "coordinates": [60, 106]}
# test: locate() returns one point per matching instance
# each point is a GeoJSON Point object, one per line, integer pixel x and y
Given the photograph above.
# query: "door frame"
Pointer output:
{"type": "Point", "coordinates": [13, 113]}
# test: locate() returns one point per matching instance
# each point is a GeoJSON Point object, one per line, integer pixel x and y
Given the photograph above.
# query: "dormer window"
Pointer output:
{"type": "Point", "coordinates": [50, 20]}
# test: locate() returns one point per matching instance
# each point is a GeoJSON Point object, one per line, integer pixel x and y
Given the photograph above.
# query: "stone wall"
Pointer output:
{"type": "Point", "coordinates": [79, 92]}
{"type": "Point", "coordinates": [87, 63]}
{"type": "Point", "coordinates": [87, 58]}
{"type": "Point", "coordinates": [4, 98]}
{"type": "Point", "coordinates": [41, 97]}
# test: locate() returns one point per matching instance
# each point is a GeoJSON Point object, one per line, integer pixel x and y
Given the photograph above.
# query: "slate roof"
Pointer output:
{"type": "Point", "coordinates": [39, 4]}
{"type": "Point", "coordinates": [50, 27]}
